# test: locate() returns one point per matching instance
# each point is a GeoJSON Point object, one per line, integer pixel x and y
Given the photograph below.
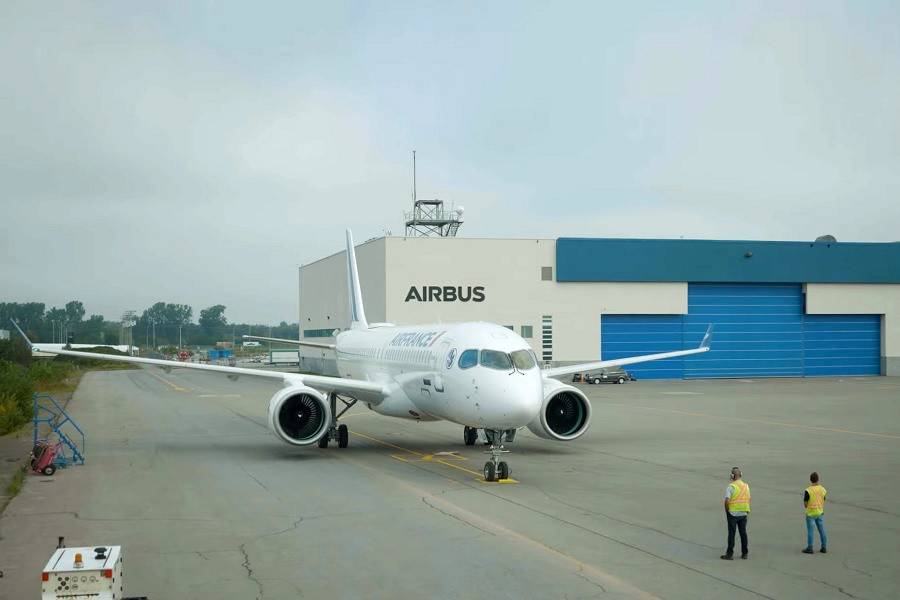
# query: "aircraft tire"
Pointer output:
{"type": "Point", "coordinates": [503, 471]}
{"type": "Point", "coordinates": [323, 441]}
{"type": "Point", "coordinates": [490, 473]}
{"type": "Point", "coordinates": [343, 436]}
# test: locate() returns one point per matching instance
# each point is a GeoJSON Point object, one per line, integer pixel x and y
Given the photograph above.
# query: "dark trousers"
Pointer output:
{"type": "Point", "coordinates": [739, 523]}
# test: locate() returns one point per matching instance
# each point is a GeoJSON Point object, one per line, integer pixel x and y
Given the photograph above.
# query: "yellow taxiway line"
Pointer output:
{"type": "Point", "coordinates": [429, 458]}
{"type": "Point", "coordinates": [174, 386]}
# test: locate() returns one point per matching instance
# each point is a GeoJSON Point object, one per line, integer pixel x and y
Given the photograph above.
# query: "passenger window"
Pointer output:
{"type": "Point", "coordinates": [468, 359]}
{"type": "Point", "coordinates": [493, 359]}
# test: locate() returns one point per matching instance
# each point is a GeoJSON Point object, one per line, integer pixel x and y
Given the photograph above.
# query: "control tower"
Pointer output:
{"type": "Point", "coordinates": [430, 217]}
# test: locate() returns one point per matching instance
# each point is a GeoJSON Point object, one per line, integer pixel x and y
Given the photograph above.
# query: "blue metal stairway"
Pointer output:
{"type": "Point", "coordinates": [48, 411]}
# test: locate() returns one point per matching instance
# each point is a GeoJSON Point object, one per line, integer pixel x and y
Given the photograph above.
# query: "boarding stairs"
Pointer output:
{"type": "Point", "coordinates": [50, 419]}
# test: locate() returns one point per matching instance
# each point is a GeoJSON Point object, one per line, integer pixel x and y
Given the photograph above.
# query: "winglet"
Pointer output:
{"type": "Point", "coordinates": [357, 313]}
{"type": "Point", "coordinates": [25, 337]}
{"type": "Point", "coordinates": [707, 338]}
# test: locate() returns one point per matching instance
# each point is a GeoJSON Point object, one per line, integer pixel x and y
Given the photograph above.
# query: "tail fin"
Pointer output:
{"type": "Point", "coordinates": [357, 313]}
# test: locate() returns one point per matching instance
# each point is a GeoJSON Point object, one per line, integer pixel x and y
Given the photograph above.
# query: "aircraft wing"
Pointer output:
{"type": "Point", "coordinates": [287, 341]}
{"type": "Point", "coordinates": [618, 362]}
{"type": "Point", "coordinates": [367, 391]}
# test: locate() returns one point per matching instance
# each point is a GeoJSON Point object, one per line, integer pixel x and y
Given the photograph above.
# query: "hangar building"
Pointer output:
{"type": "Point", "coordinates": [779, 309]}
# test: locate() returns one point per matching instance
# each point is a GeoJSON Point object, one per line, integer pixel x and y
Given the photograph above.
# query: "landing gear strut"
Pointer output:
{"type": "Point", "coordinates": [340, 433]}
{"type": "Point", "coordinates": [470, 435]}
{"type": "Point", "coordinates": [496, 469]}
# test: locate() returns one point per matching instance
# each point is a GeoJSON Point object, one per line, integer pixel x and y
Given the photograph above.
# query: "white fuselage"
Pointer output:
{"type": "Point", "coordinates": [422, 365]}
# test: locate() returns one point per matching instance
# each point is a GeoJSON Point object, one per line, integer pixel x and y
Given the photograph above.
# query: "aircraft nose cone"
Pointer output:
{"type": "Point", "coordinates": [517, 402]}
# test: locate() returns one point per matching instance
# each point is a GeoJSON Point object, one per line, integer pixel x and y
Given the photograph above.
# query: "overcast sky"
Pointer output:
{"type": "Point", "coordinates": [199, 152]}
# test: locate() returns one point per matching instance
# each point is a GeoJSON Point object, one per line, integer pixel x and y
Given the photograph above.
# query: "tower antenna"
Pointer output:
{"type": "Point", "coordinates": [414, 176]}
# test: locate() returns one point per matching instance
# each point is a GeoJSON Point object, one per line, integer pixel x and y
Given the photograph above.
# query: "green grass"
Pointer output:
{"type": "Point", "coordinates": [18, 480]}
{"type": "Point", "coordinates": [13, 487]}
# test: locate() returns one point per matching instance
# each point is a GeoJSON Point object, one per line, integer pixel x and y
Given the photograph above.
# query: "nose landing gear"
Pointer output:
{"type": "Point", "coordinates": [496, 469]}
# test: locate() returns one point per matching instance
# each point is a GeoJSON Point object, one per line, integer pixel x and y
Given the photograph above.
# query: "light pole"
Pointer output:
{"type": "Point", "coordinates": [232, 337]}
{"type": "Point", "coordinates": [179, 336]}
{"type": "Point", "coordinates": [154, 334]}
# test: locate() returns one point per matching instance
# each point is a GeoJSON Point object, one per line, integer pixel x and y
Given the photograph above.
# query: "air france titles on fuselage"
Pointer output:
{"type": "Point", "coordinates": [416, 339]}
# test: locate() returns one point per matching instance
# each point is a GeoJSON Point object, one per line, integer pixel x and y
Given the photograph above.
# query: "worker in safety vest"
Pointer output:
{"type": "Point", "coordinates": [814, 502]}
{"type": "Point", "coordinates": [737, 510]}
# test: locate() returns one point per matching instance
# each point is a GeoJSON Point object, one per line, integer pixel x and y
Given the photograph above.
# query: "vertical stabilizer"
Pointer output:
{"type": "Point", "coordinates": [357, 313]}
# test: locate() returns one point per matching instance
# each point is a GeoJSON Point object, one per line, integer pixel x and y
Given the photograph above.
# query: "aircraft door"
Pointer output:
{"type": "Point", "coordinates": [441, 357]}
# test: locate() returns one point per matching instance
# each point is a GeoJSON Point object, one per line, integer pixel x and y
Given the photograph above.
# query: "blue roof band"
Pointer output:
{"type": "Point", "coordinates": [611, 259]}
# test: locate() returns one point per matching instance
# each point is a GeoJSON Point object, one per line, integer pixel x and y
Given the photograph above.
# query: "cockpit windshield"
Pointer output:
{"type": "Point", "coordinates": [523, 359]}
{"type": "Point", "coordinates": [468, 359]}
{"type": "Point", "coordinates": [494, 359]}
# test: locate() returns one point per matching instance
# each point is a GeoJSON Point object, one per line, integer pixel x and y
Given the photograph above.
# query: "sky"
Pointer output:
{"type": "Point", "coordinates": [199, 152]}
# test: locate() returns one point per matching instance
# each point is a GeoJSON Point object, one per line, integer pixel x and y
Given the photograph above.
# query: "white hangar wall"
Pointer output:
{"type": "Point", "coordinates": [324, 301]}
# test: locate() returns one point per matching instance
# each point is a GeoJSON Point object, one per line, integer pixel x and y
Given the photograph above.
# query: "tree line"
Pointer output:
{"type": "Point", "coordinates": [161, 324]}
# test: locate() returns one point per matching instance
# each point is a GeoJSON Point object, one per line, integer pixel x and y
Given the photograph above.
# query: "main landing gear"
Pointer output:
{"type": "Point", "coordinates": [336, 432]}
{"type": "Point", "coordinates": [496, 469]}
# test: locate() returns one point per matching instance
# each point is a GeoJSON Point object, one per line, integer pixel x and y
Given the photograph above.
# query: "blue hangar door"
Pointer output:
{"type": "Point", "coordinates": [760, 331]}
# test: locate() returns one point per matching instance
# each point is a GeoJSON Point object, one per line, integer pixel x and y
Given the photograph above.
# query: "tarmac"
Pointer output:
{"type": "Point", "coordinates": [182, 472]}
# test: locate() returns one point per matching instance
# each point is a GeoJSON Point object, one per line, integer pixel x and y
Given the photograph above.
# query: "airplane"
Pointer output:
{"type": "Point", "coordinates": [479, 375]}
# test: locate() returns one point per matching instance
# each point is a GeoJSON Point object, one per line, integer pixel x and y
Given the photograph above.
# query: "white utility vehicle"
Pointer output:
{"type": "Point", "coordinates": [90, 572]}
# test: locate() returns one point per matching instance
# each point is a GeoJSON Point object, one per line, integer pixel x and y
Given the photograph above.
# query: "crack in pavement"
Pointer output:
{"type": "Point", "coordinates": [250, 475]}
{"type": "Point", "coordinates": [580, 573]}
{"type": "Point", "coordinates": [246, 564]}
{"type": "Point", "coordinates": [837, 587]}
{"type": "Point", "coordinates": [820, 581]}
{"type": "Point", "coordinates": [246, 418]}
{"type": "Point", "coordinates": [846, 563]}
{"type": "Point", "coordinates": [623, 521]}
{"type": "Point", "coordinates": [456, 517]}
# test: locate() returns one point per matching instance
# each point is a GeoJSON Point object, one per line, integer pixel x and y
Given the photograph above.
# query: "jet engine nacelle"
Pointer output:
{"type": "Point", "coordinates": [299, 415]}
{"type": "Point", "coordinates": [565, 414]}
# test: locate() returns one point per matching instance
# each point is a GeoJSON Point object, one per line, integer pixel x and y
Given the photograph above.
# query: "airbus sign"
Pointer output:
{"type": "Point", "coordinates": [445, 293]}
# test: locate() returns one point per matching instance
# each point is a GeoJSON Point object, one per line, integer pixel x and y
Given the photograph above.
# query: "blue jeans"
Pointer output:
{"type": "Point", "coordinates": [820, 525]}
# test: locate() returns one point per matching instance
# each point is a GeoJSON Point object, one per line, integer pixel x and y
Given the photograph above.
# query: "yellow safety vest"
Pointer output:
{"type": "Point", "coordinates": [740, 502]}
{"type": "Point", "coordinates": [816, 504]}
